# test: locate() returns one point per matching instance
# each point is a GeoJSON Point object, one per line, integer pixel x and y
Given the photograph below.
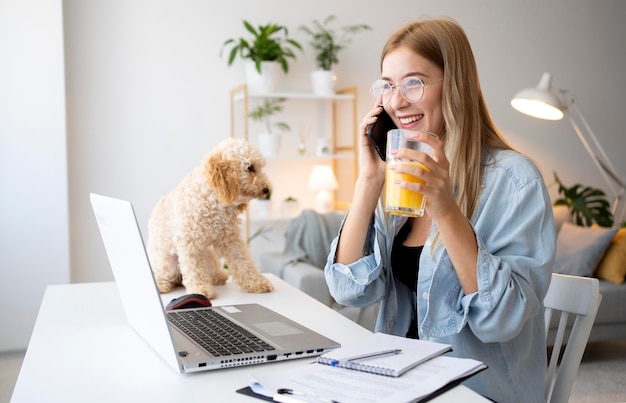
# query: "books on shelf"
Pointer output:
{"type": "Point", "coordinates": [334, 378]}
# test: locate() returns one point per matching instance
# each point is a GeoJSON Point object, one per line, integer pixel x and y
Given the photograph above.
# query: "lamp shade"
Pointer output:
{"type": "Point", "coordinates": [539, 102]}
{"type": "Point", "coordinates": [322, 178]}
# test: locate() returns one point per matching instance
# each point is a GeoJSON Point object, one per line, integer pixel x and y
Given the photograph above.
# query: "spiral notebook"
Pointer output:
{"type": "Point", "coordinates": [426, 371]}
{"type": "Point", "coordinates": [384, 354]}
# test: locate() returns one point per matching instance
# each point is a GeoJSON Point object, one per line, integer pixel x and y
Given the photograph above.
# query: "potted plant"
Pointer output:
{"type": "Point", "coordinates": [586, 204]}
{"type": "Point", "coordinates": [327, 43]}
{"type": "Point", "coordinates": [269, 141]}
{"type": "Point", "coordinates": [263, 205]}
{"type": "Point", "coordinates": [269, 47]}
{"type": "Point", "coordinates": [290, 207]}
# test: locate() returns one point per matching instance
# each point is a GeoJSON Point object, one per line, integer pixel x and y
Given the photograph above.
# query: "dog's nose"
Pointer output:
{"type": "Point", "coordinates": [266, 191]}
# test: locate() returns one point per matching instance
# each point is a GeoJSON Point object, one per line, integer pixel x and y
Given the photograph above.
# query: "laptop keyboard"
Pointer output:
{"type": "Point", "coordinates": [217, 334]}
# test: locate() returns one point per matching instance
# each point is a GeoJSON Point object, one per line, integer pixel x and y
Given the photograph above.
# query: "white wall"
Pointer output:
{"type": "Point", "coordinates": [34, 239]}
{"type": "Point", "coordinates": [147, 93]}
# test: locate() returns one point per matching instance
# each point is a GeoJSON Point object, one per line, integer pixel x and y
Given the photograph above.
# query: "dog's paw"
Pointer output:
{"type": "Point", "coordinates": [164, 286]}
{"type": "Point", "coordinates": [220, 277]}
{"type": "Point", "coordinates": [257, 284]}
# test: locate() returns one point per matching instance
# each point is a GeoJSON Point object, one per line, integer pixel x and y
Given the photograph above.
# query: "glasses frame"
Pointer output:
{"type": "Point", "coordinates": [399, 86]}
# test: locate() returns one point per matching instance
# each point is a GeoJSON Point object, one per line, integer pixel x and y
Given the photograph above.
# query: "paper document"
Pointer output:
{"type": "Point", "coordinates": [325, 383]}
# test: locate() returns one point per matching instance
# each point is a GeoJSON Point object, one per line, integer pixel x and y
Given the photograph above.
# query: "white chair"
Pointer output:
{"type": "Point", "coordinates": [579, 297]}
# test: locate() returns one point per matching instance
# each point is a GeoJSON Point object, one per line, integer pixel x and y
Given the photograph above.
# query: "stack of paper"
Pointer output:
{"type": "Point", "coordinates": [421, 370]}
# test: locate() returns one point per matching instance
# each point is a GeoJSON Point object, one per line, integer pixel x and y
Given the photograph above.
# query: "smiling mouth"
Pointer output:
{"type": "Point", "coordinates": [410, 119]}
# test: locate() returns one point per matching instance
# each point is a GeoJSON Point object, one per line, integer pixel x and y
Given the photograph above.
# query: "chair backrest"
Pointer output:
{"type": "Point", "coordinates": [579, 297]}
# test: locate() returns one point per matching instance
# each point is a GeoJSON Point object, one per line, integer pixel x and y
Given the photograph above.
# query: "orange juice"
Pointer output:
{"type": "Point", "coordinates": [401, 201]}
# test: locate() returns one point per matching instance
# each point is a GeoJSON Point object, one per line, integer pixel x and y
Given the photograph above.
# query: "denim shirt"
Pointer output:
{"type": "Point", "coordinates": [502, 324]}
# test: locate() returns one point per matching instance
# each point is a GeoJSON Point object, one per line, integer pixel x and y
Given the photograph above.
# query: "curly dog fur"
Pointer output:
{"type": "Point", "coordinates": [198, 222]}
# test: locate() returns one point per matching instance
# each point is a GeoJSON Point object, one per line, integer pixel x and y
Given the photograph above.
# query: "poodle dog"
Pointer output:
{"type": "Point", "coordinates": [198, 222]}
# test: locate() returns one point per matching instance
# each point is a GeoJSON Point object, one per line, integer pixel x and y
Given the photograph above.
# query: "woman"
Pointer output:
{"type": "Point", "coordinates": [473, 271]}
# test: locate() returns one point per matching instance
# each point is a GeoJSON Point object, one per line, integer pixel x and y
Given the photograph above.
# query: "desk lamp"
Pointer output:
{"type": "Point", "coordinates": [541, 102]}
{"type": "Point", "coordinates": [323, 180]}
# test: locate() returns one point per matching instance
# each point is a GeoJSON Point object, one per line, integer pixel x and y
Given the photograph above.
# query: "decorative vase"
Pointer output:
{"type": "Point", "coordinates": [264, 82]}
{"type": "Point", "coordinates": [322, 147]}
{"type": "Point", "coordinates": [323, 82]}
{"type": "Point", "coordinates": [269, 144]}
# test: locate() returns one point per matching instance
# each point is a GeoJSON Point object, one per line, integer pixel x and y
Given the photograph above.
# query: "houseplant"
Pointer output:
{"type": "Point", "coordinates": [290, 207]}
{"type": "Point", "coordinates": [327, 43]}
{"type": "Point", "coordinates": [263, 205]}
{"type": "Point", "coordinates": [269, 141]}
{"type": "Point", "coordinates": [268, 47]}
{"type": "Point", "coordinates": [586, 204]}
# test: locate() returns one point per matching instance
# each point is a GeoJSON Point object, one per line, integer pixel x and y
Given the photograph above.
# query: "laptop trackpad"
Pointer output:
{"type": "Point", "coordinates": [278, 328]}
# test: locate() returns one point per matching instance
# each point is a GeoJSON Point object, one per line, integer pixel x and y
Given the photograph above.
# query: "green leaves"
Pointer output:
{"type": "Point", "coordinates": [267, 44]}
{"type": "Point", "coordinates": [327, 42]}
{"type": "Point", "coordinates": [586, 204]}
{"type": "Point", "coordinates": [268, 108]}
{"type": "Point", "coordinates": [260, 233]}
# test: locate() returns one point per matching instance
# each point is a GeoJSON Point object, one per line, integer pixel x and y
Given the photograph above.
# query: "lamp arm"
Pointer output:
{"type": "Point", "coordinates": [607, 165]}
{"type": "Point", "coordinates": [619, 209]}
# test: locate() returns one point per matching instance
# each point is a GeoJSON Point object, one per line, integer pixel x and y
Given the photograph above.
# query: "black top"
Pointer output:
{"type": "Point", "coordinates": [405, 262]}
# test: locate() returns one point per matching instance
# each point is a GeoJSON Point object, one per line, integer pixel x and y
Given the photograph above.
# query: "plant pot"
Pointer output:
{"type": "Point", "coordinates": [262, 208]}
{"type": "Point", "coordinates": [323, 82]}
{"type": "Point", "coordinates": [290, 208]}
{"type": "Point", "coordinates": [269, 144]}
{"type": "Point", "coordinates": [264, 82]}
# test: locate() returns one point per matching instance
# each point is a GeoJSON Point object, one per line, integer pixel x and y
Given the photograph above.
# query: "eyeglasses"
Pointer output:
{"type": "Point", "coordinates": [411, 88]}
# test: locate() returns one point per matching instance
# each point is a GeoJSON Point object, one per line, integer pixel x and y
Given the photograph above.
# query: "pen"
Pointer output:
{"type": "Point", "coordinates": [285, 391]}
{"type": "Point", "coordinates": [366, 356]}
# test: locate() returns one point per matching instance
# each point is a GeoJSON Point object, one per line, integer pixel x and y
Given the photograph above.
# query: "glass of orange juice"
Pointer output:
{"type": "Point", "coordinates": [401, 201]}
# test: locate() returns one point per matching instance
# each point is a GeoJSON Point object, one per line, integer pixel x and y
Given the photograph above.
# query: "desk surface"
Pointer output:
{"type": "Point", "coordinates": [82, 349]}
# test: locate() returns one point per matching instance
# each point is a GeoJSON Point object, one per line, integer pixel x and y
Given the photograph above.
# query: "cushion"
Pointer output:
{"type": "Point", "coordinates": [580, 249]}
{"type": "Point", "coordinates": [561, 215]}
{"type": "Point", "coordinates": [612, 267]}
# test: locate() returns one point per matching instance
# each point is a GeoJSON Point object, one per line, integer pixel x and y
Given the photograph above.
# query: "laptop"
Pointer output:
{"type": "Point", "coordinates": [274, 337]}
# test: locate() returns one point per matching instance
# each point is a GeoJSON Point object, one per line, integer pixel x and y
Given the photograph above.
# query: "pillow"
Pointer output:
{"type": "Point", "coordinates": [561, 215]}
{"type": "Point", "coordinates": [580, 249]}
{"type": "Point", "coordinates": [612, 267]}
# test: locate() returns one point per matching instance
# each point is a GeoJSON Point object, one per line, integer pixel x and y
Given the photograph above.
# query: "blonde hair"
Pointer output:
{"type": "Point", "coordinates": [470, 131]}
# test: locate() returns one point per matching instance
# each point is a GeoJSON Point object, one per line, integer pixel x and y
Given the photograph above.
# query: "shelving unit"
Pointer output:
{"type": "Point", "coordinates": [334, 117]}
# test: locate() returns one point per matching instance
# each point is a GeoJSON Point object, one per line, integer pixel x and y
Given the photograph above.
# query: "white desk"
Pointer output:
{"type": "Point", "coordinates": [83, 350]}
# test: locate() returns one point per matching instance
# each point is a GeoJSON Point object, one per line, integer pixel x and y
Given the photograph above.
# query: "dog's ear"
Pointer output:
{"type": "Point", "coordinates": [222, 177]}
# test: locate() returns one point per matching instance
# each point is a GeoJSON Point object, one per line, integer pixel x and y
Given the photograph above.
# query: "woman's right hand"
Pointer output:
{"type": "Point", "coordinates": [367, 189]}
{"type": "Point", "coordinates": [370, 164]}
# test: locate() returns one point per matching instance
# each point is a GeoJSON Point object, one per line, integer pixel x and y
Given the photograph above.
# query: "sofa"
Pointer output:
{"type": "Point", "coordinates": [593, 252]}
{"type": "Point", "coordinates": [600, 253]}
{"type": "Point", "coordinates": [301, 264]}
{"type": "Point", "coordinates": [307, 244]}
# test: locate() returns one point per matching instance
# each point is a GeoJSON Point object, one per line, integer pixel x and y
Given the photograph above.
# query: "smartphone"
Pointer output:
{"type": "Point", "coordinates": [377, 133]}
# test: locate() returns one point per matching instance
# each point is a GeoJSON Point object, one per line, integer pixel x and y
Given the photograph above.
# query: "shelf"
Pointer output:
{"type": "Point", "coordinates": [335, 121]}
{"type": "Point", "coordinates": [291, 157]}
{"type": "Point", "coordinates": [296, 95]}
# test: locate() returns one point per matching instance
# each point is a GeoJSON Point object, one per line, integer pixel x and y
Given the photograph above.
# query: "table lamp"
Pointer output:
{"type": "Point", "coordinates": [544, 103]}
{"type": "Point", "coordinates": [323, 180]}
